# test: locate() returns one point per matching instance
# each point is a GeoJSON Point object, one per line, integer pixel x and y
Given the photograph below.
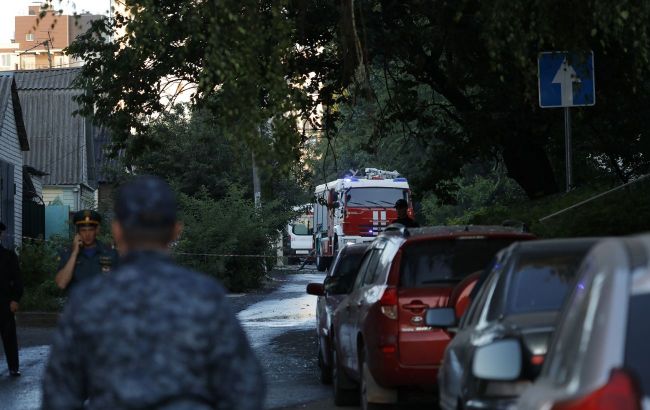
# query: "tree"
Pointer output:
{"type": "Point", "coordinates": [477, 61]}
{"type": "Point", "coordinates": [460, 76]}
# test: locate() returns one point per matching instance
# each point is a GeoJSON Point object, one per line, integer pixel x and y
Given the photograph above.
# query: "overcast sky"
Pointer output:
{"type": "Point", "coordinates": [12, 8]}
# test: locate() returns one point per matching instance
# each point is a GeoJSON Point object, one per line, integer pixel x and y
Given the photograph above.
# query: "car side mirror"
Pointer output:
{"type": "Point", "coordinates": [440, 317]}
{"type": "Point", "coordinates": [316, 289]}
{"type": "Point", "coordinates": [498, 361]}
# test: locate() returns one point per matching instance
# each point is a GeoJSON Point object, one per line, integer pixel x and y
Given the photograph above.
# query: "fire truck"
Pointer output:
{"type": "Point", "coordinates": [355, 209]}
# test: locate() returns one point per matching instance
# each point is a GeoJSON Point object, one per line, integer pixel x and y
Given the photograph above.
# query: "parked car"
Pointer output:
{"type": "Point", "coordinates": [381, 344]}
{"type": "Point", "coordinates": [337, 284]}
{"type": "Point", "coordinates": [599, 356]}
{"type": "Point", "coordinates": [520, 299]}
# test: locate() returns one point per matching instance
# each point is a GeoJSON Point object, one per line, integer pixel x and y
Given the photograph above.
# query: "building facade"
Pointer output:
{"type": "Point", "coordinates": [13, 142]}
{"type": "Point", "coordinates": [38, 43]}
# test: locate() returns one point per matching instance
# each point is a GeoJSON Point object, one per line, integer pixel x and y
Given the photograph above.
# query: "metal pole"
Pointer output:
{"type": "Point", "coordinates": [257, 194]}
{"type": "Point", "coordinates": [567, 147]}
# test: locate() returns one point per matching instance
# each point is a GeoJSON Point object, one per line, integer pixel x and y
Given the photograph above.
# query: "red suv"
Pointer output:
{"type": "Point", "coordinates": [381, 343]}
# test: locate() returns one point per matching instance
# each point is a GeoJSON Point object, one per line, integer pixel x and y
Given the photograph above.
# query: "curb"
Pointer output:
{"type": "Point", "coordinates": [37, 319]}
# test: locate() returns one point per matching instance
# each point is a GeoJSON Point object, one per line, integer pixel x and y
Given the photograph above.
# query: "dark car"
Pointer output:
{"type": "Point", "coordinates": [338, 283]}
{"type": "Point", "coordinates": [598, 358]}
{"type": "Point", "coordinates": [382, 346]}
{"type": "Point", "coordinates": [520, 299]}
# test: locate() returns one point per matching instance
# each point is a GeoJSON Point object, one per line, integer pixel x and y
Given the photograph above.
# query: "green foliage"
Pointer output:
{"type": "Point", "coordinates": [622, 212]}
{"type": "Point", "coordinates": [43, 297]}
{"type": "Point", "coordinates": [38, 263]}
{"type": "Point", "coordinates": [228, 226]}
{"type": "Point", "coordinates": [229, 55]}
{"type": "Point", "coordinates": [475, 193]}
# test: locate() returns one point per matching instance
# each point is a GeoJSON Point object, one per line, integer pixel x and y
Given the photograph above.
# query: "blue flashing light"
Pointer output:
{"type": "Point", "coordinates": [399, 179]}
{"type": "Point", "coordinates": [354, 179]}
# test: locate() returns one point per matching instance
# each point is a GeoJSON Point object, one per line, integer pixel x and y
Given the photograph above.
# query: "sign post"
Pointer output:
{"type": "Point", "coordinates": [566, 80]}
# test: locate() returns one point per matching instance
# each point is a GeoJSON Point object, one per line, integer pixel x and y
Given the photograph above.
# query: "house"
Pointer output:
{"type": "Point", "coordinates": [13, 142]}
{"type": "Point", "coordinates": [64, 146]}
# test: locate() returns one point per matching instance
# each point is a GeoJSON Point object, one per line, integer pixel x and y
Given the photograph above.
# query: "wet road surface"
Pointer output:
{"type": "Point", "coordinates": [279, 321]}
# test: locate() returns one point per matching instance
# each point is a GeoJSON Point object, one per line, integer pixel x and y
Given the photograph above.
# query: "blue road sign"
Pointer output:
{"type": "Point", "coordinates": [566, 79]}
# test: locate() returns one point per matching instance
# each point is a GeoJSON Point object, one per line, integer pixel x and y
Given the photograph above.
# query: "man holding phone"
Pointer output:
{"type": "Point", "coordinates": [87, 257]}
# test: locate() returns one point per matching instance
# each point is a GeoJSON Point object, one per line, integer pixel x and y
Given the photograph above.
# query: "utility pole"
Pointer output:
{"type": "Point", "coordinates": [48, 43]}
{"type": "Point", "coordinates": [257, 194]}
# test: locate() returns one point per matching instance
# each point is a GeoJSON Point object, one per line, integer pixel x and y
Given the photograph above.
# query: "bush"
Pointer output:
{"type": "Point", "coordinates": [43, 297]}
{"type": "Point", "coordinates": [38, 263]}
{"type": "Point", "coordinates": [229, 226]}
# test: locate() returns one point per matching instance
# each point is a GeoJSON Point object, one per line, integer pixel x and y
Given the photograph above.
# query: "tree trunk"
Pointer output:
{"type": "Point", "coordinates": [528, 164]}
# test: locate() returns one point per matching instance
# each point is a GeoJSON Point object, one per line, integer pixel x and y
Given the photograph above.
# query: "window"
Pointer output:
{"type": "Point", "coordinates": [5, 60]}
{"type": "Point", "coordinates": [300, 229]}
{"type": "Point", "coordinates": [427, 263]}
{"type": "Point", "coordinates": [363, 269]}
{"type": "Point", "coordinates": [372, 272]}
{"type": "Point", "coordinates": [536, 283]}
{"type": "Point", "coordinates": [636, 340]}
{"type": "Point", "coordinates": [29, 37]}
{"type": "Point", "coordinates": [565, 352]}
{"type": "Point", "coordinates": [28, 61]}
{"type": "Point", "coordinates": [373, 197]}
{"type": "Point", "coordinates": [59, 61]}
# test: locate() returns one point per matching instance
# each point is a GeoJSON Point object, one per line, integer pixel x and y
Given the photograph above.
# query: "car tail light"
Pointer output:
{"type": "Point", "coordinates": [619, 393]}
{"type": "Point", "coordinates": [537, 360]}
{"type": "Point", "coordinates": [388, 302]}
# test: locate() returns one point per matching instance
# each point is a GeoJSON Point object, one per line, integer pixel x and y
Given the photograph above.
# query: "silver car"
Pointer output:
{"type": "Point", "coordinates": [599, 356]}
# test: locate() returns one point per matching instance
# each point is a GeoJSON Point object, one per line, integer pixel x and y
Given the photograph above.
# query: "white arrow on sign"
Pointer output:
{"type": "Point", "coordinates": [566, 76]}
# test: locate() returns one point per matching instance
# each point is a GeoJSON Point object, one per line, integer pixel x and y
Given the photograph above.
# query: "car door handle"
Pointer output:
{"type": "Point", "coordinates": [416, 306]}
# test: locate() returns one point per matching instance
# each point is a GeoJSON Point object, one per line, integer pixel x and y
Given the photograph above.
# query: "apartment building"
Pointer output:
{"type": "Point", "coordinates": [38, 42]}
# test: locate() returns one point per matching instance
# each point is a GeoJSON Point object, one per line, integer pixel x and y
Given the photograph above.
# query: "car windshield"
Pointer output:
{"type": "Point", "coordinates": [637, 359]}
{"type": "Point", "coordinates": [374, 197]}
{"type": "Point", "coordinates": [300, 229]}
{"type": "Point", "coordinates": [540, 283]}
{"type": "Point", "coordinates": [447, 261]}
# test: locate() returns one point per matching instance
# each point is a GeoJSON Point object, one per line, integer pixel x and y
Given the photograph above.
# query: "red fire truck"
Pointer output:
{"type": "Point", "coordinates": [355, 209]}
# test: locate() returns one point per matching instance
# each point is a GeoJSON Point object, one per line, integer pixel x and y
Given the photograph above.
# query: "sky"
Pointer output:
{"type": "Point", "coordinates": [12, 8]}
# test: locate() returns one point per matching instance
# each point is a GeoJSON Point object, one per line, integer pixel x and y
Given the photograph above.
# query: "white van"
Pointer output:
{"type": "Point", "coordinates": [298, 240]}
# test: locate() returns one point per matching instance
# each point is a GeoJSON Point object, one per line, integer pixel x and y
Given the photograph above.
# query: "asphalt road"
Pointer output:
{"type": "Point", "coordinates": [278, 319]}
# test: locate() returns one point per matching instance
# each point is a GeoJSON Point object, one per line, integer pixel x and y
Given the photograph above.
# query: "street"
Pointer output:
{"type": "Point", "coordinates": [279, 322]}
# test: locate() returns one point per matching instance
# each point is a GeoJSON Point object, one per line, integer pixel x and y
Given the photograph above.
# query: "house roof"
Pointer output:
{"type": "Point", "coordinates": [8, 92]}
{"type": "Point", "coordinates": [49, 79]}
{"type": "Point", "coordinates": [62, 143]}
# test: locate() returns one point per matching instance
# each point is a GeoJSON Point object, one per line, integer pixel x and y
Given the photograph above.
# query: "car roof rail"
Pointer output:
{"type": "Point", "coordinates": [396, 227]}
{"type": "Point", "coordinates": [513, 223]}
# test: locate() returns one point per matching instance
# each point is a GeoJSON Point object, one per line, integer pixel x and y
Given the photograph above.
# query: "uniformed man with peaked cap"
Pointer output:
{"type": "Point", "coordinates": [87, 257]}
{"type": "Point", "coordinates": [153, 334]}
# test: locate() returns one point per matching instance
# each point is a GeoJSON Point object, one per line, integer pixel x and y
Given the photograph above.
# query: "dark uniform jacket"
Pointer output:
{"type": "Point", "coordinates": [151, 335]}
{"type": "Point", "coordinates": [104, 260]}
{"type": "Point", "coordinates": [11, 285]}
{"type": "Point", "coordinates": [407, 222]}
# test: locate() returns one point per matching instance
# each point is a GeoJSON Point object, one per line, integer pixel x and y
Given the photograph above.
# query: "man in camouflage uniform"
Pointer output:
{"type": "Point", "coordinates": [152, 335]}
{"type": "Point", "coordinates": [87, 257]}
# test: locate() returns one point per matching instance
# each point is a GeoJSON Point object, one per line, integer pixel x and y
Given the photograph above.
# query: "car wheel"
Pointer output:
{"type": "Point", "coordinates": [325, 371]}
{"type": "Point", "coordinates": [345, 389]}
{"type": "Point", "coordinates": [363, 389]}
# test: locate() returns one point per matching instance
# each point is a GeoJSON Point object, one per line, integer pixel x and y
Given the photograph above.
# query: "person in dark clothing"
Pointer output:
{"type": "Point", "coordinates": [11, 290]}
{"type": "Point", "coordinates": [401, 206]}
{"type": "Point", "coordinates": [87, 257]}
{"type": "Point", "coordinates": [153, 334]}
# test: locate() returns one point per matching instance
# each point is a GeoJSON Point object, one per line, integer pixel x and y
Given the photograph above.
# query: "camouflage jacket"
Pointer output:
{"type": "Point", "coordinates": [151, 335]}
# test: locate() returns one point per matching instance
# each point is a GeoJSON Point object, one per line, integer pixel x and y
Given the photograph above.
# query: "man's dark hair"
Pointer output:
{"type": "Point", "coordinates": [401, 203]}
{"type": "Point", "coordinates": [146, 209]}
